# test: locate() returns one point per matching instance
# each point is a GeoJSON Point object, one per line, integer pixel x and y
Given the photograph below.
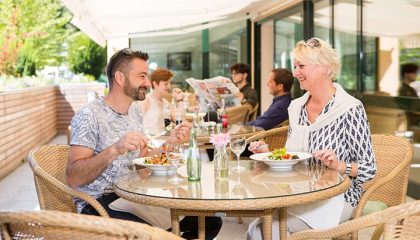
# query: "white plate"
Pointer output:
{"type": "Point", "coordinates": [280, 164]}
{"type": "Point", "coordinates": [158, 169]}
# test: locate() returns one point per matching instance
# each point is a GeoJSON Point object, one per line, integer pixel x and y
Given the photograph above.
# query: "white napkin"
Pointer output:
{"type": "Point", "coordinates": [155, 216]}
{"type": "Point", "coordinates": [322, 214]}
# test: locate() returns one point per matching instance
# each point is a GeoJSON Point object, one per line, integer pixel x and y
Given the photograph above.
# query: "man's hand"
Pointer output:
{"type": "Point", "coordinates": [130, 142]}
{"type": "Point", "coordinates": [180, 134]}
{"type": "Point", "coordinates": [240, 96]}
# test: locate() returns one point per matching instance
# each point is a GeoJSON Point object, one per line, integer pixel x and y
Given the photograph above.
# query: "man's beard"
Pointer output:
{"type": "Point", "coordinates": [137, 94]}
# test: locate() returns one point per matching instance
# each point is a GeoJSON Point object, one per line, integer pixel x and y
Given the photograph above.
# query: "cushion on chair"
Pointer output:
{"type": "Point", "coordinates": [373, 206]}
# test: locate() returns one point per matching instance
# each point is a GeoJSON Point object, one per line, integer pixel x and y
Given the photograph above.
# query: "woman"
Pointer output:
{"type": "Point", "coordinates": [333, 126]}
{"type": "Point", "coordinates": [153, 107]}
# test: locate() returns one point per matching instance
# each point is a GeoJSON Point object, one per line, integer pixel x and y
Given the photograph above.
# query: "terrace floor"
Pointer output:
{"type": "Point", "coordinates": [17, 192]}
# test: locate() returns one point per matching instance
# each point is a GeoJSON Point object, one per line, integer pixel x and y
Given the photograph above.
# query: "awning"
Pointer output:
{"type": "Point", "coordinates": [106, 19]}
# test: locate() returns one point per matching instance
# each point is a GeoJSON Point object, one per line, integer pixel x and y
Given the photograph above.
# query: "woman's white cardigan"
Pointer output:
{"type": "Point", "coordinates": [327, 213]}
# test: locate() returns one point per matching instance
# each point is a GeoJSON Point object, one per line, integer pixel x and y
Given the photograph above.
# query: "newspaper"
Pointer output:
{"type": "Point", "coordinates": [215, 89]}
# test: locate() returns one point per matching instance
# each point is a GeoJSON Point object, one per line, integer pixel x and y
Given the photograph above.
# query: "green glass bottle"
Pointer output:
{"type": "Point", "coordinates": [193, 159]}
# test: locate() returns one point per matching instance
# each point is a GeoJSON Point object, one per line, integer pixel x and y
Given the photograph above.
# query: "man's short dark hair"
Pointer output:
{"type": "Point", "coordinates": [120, 61]}
{"type": "Point", "coordinates": [283, 76]}
{"type": "Point", "coordinates": [408, 68]}
{"type": "Point", "coordinates": [240, 68]}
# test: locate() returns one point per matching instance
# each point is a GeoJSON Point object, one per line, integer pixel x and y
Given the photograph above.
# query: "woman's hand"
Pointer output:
{"type": "Point", "coordinates": [177, 94]}
{"type": "Point", "coordinates": [258, 147]}
{"type": "Point", "coordinates": [329, 159]}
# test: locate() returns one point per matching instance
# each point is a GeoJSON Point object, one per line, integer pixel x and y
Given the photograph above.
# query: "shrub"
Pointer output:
{"type": "Point", "coordinates": [85, 56]}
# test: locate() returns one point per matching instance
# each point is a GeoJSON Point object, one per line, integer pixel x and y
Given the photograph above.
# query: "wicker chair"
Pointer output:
{"type": "Point", "coordinates": [401, 222]}
{"type": "Point", "coordinates": [393, 157]}
{"type": "Point", "coordinates": [238, 114]}
{"type": "Point", "coordinates": [253, 113]}
{"type": "Point", "coordinates": [48, 162]}
{"type": "Point", "coordinates": [275, 138]}
{"type": "Point", "coordinates": [60, 225]}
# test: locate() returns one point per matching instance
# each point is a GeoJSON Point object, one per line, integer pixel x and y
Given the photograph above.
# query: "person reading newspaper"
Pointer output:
{"type": "Point", "coordinates": [215, 89]}
{"type": "Point", "coordinates": [247, 94]}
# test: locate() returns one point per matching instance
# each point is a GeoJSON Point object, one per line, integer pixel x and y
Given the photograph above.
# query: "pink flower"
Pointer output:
{"type": "Point", "coordinates": [220, 140]}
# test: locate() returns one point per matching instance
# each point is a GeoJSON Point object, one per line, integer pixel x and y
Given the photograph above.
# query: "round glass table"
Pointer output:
{"type": "Point", "coordinates": [255, 192]}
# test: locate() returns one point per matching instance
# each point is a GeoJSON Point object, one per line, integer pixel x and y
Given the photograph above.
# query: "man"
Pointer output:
{"type": "Point", "coordinates": [240, 73]}
{"type": "Point", "coordinates": [107, 135]}
{"type": "Point", "coordinates": [279, 82]}
{"type": "Point", "coordinates": [408, 75]}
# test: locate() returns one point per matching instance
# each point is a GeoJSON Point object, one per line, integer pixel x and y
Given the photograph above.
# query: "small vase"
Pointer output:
{"type": "Point", "coordinates": [221, 188]}
{"type": "Point", "coordinates": [220, 162]}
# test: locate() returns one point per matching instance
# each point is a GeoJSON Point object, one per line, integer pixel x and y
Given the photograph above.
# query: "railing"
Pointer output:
{"type": "Point", "coordinates": [33, 116]}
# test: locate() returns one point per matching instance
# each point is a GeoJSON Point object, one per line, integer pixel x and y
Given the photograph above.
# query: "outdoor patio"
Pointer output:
{"type": "Point", "coordinates": [17, 192]}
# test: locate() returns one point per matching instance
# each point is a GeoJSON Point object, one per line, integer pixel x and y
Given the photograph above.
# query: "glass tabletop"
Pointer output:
{"type": "Point", "coordinates": [257, 181]}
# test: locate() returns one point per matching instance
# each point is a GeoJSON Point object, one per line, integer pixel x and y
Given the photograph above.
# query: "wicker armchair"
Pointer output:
{"type": "Point", "coordinates": [275, 138]}
{"type": "Point", "coordinates": [48, 162]}
{"type": "Point", "coordinates": [253, 113]}
{"type": "Point", "coordinates": [60, 225]}
{"type": "Point", "coordinates": [401, 222]}
{"type": "Point", "coordinates": [238, 114]}
{"type": "Point", "coordinates": [393, 157]}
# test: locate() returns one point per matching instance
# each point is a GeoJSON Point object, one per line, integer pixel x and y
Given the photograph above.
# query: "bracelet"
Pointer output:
{"type": "Point", "coordinates": [179, 100]}
{"type": "Point", "coordinates": [348, 169]}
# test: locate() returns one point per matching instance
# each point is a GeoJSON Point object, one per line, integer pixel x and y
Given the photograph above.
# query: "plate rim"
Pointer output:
{"type": "Point", "coordinates": [281, 161]}
{"type": "Point", "coordinates": [151, 165]}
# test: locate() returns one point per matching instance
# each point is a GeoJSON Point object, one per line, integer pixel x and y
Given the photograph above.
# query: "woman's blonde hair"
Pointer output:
{"type": "Point", "coordinates": [318, 52]}
{"type": "Point", "coordinates": [161, 75]}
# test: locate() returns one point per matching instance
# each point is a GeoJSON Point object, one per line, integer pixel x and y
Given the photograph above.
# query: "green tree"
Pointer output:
{"type": "Point", "coordinates": [33, 33]}
{"type": "Point", "coordinates": [85, 56]}
{"type": "Point", "coordinates": [9, 40]}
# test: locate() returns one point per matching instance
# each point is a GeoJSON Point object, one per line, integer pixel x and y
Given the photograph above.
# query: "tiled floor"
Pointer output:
{"type": "Point", "coordinates": [17, 192]}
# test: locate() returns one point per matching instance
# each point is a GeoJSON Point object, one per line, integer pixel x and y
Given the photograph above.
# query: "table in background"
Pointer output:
{"type": "Point", "coordinates": [234, 130]}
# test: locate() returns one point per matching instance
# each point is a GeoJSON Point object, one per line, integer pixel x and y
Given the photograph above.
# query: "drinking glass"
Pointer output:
{"type": "Point", "coordinates": [175, 159]}
{"type": "Point", "coordinates": [237, 145]}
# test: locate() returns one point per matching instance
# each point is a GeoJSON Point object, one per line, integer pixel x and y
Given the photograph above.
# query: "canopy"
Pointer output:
{"type": "Point", "coordinates": [105, 19]}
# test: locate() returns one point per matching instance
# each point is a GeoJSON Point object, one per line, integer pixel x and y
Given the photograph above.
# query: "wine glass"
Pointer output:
{"type": "Point", "coordinates": [237, 145]}
{"type": "Point", "coordinates": [175, 158]}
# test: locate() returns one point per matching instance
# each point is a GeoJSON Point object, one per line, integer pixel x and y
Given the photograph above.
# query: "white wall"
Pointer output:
{"type": "Point", "coordinates": [267, 61]}
{"type": "Point", "coordinates": [388, 68]}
